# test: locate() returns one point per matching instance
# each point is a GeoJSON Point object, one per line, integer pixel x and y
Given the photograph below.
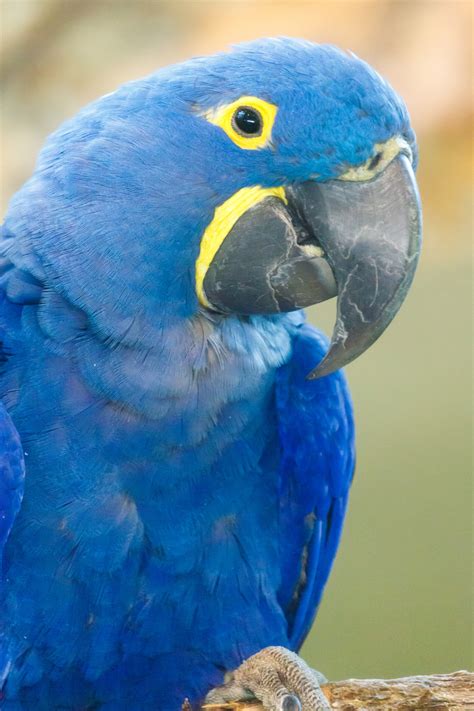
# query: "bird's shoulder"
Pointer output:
{"type": "Point", "coordinates": [12, 476]}
{"type": "Point", "coordinates": [12, 471]}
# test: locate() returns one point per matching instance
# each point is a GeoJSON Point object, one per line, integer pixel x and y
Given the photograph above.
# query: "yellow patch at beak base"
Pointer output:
{"type": "Point", "coordinates": [385, 153]}
{"type": "Point", "coordinates": [225, 217]}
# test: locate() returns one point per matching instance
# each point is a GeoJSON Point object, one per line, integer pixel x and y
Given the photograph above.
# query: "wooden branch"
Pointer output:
{"type": "Point", "coordinates": [440, 691]}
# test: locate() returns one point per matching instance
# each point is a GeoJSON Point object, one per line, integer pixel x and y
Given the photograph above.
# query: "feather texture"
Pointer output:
{"type": "Point", "coordinates": [185, 485]}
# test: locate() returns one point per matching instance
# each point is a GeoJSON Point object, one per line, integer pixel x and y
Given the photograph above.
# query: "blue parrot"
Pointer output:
{"type": "Point", "coordinates": [169, 521]}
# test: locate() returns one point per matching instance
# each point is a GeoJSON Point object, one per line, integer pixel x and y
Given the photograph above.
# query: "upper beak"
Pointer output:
{"type": "Point", "coordinates": [359, 240]}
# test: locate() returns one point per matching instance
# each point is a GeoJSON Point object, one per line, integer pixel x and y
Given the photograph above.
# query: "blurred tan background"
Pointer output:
{"type": "Point", "coordinates": [399, 600]}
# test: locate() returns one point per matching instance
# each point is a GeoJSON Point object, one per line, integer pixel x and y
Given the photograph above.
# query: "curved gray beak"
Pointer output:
{"type": "Point", "coordinates": [371, 234]}
{"type": "Point", "coordinates": [359, 240]}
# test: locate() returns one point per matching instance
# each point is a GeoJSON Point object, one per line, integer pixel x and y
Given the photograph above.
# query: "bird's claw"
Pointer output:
{"type": "Point", "coordinates": [278, 678]}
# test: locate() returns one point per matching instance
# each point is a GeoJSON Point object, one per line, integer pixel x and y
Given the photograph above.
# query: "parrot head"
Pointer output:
{"type": "Point", "coordinates": [258, 181]}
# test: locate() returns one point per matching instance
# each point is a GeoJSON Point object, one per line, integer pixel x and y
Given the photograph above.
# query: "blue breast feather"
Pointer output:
{"type": "Point", "coordinates": [185, 484]}
{"type": "Point", "coordinates": [152, 554]}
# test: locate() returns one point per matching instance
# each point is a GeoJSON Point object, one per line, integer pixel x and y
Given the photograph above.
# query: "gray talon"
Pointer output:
{"type": "Point", "coordinates": [290, 703]}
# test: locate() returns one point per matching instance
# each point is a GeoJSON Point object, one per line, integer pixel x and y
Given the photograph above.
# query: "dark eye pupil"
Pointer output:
{"type": "Point", "coordinates": [247, 121]}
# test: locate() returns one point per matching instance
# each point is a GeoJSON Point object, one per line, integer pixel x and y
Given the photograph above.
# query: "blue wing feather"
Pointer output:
{"type": "Point", "coordinates": [12, 468]}
{"type": "Point", "coordinates": [12, 477]}
{"type": "Point", "coordinates": [316, 434]}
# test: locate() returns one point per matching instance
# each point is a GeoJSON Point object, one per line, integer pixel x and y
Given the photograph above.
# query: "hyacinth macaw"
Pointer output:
{"type": "Point", "coordinates": [172, 483]}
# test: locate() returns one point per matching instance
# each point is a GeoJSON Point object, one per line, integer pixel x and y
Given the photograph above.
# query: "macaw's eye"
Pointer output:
{"type": "Point", "coordinates": [247, 121]}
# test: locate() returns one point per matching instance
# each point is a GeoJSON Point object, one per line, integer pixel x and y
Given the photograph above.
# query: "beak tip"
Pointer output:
{"type": "Point", "coordinates": [320, 371]}
{"type": "Point", "coordinates": [394, 239]}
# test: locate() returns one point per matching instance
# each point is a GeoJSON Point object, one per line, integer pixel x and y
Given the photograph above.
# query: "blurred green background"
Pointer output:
{"type": "Point", "coordinates": [400, 597]}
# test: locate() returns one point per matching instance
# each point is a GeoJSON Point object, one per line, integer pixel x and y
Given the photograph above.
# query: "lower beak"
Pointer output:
{"type": "Point", "coordinates": [359, 240]}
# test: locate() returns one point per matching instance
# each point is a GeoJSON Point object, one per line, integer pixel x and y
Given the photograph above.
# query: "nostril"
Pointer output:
{"type": "Point", "coordinates": [375, 161]}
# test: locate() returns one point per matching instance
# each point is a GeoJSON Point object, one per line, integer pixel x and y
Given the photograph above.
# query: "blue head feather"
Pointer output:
{"type": "Point", "coordinates": [122, 193]}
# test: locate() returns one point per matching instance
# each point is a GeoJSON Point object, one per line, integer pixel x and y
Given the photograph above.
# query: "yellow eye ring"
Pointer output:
{"type": "Point", "coordinates": [226, 117]}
